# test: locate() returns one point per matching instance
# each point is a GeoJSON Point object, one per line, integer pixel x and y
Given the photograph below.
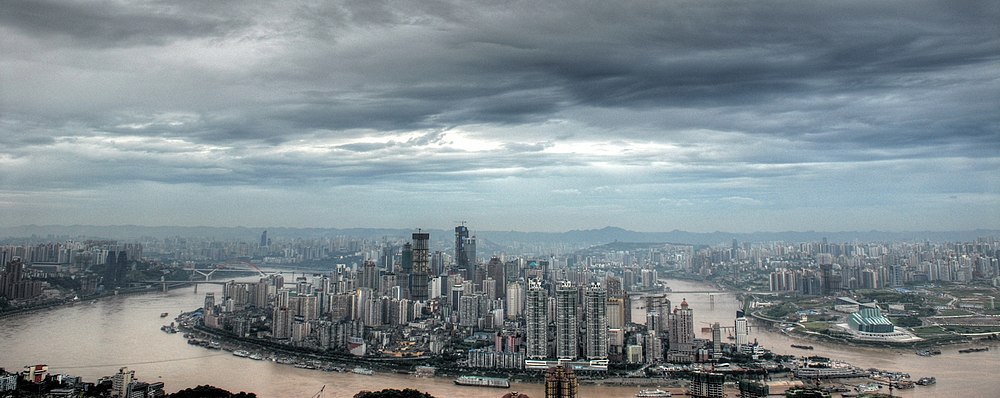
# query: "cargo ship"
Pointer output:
{"type": "Point", "coordinates": [482, 381]}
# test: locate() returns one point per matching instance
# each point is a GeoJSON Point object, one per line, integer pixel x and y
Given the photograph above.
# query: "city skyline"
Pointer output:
{"type": "Point", "coordinates": [651, 116]}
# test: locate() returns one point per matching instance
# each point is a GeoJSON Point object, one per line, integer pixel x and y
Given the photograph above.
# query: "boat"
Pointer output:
{"type": "Point", "coordinates": [363, 371]}
{"type": "Point", "coordinates": [804, 347]}
{"type": "Point", "coordinates": [168, 329]}
{"type": "Point", "coordinates": [976, 349]}
{"type": "Point", "coordinates": [241, 353]}
{"type": "Point", "coordinates": [653, 393]}
{"type": "Point", "coordinates": [255, 356]}
{"type": "Point", "coordinates": [927, 381]}
{"type": "Point", "coordinates": [483, 381]}
{"type": "Point", "coordinates": [163, 315]}
{"type": "Point", "coordinates": [214, 345]}
{"type": "Point", "coordinates": [927, 353]}
{"type": "Point", "coordinates": [903, 384]}
{"type": "Point", "coordinates": [870, 387]}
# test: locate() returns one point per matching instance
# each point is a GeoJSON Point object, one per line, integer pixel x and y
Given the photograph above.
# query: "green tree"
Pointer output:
{"type": "Point", "coordinates": [393, 393]}
{"type": "Point", "coordinates": [209, 392]}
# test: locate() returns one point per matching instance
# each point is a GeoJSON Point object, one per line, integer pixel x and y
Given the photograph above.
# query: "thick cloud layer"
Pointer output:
{"type": "Point", "coordinates": [658, 115]}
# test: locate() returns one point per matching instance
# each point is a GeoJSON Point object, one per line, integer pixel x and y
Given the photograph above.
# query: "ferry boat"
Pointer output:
{"type": "Point", "coordinates": [653, 393]}
{"type": "Point", "coordinates": [363, 371]}
{"type": "Point", "coordinates": [977, 349]}
{"type": "Point", "coordinates": [482, 381]}
{"type": "Point", "coordinates": [804, 347]}
{"type": "Point", "coordinates": [927, 381]}
{"type": "Point", "coordinates": [870, 387]}
{"type": "Point", "coordinates": [241, 353]}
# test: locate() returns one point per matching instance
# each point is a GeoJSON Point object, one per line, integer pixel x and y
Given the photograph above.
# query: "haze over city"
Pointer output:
{"type": "Point", "coordinates": [652, 116]}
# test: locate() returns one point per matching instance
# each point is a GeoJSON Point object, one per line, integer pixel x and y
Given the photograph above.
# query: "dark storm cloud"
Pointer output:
{"type": "Point", "coordinates": [744, 103]}
{"type": "Point", "coordinates": [107, 24]}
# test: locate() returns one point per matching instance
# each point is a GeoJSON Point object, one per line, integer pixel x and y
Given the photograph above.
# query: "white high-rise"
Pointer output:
{"type": "Point", "coordinates": [742, 331]}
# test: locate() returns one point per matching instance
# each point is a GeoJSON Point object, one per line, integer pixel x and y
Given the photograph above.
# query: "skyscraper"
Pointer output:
{"type": "Point", "coordinates": [495, 269]}
{"type": "Point", "coordinates": [596, 327]}
{"type": "Point", "coordinates": [421, 266]}
{"type": "Point", "coordinates": [461, 256]}
{"type": "Point", "coordinates": [682, 328]}
{"type": "Point", "coordinates": [536, 321]}
{"type": "Point", "coordinates": [369, 275]}
{"type": "Point", "coordinates": [263, 239]}
{"type": "Point", "coordinates": [742, 331]}
{"type": "Point", "coordinates": [567, 313]}
{"type": "Point", "coordinates": [560, 382]}
{"type": "Point", "coordinates": [406, 268]}
{"type": "Point", "coordinates": [515, 300]}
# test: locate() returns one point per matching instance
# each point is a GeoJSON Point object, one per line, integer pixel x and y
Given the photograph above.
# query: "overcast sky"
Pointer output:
{"type": "Point", "coordinates": [536, 116]}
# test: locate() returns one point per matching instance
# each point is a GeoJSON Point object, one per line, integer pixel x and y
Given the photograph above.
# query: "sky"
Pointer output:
{"type": "Point", "coordinates": [734, 116]}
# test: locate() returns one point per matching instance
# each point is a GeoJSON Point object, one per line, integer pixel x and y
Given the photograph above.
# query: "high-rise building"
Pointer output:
{"type": "Point", "coordinates": [682, 328]}
{"type": "Point", "coordinates": [567, 318]}
{"type": "Point", "coordinates": [707, 385]}
{"type": "Point", "coordinates": [421, 266]}
{"type": "Point", "coordinates": [661, 305]}
{"type": "Point", "coordinates": [716, 338]}
{"type": "Point", "coordinates": [263, 239]}
{"type": "Point", "coordinates": [461, 255]}
{"type": "Point", "coordinates": [742, 330]}
{"type": "Point", "coordinates": [281, 323]}
{"type": "Point", "coordinates": [369, 275]}
{"type": "Point", "coordinates": [560, 382]}
{"type": "Point", "coordinates": [515, 300]}
{"type": "Point", "coordinates": [536, 321]}
{"type": "Point", "coordinates": [495, 270]}
{"type": "Point", "coordinates": [121, 382]}
{"type": "Point", "coordinates": [596, 327]}
{"type": "Point", "coordinates": [209, 303]}
{"type": "Point", "coordinates": [14, 286]}
{"type": "Point", "coordinates": [616, 312]}
{"type": "Point", "coordinates": [406, 267]}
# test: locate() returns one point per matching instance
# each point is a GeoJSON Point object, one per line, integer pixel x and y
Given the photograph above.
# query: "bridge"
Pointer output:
{"type": "Point", "coordinates": [164, 283]}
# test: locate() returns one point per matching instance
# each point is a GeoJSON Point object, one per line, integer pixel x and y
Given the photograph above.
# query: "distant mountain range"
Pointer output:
{"type": "Point", "coordinates": [577, 237]}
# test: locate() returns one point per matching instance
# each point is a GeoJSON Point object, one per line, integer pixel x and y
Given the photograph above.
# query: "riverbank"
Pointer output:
{"type": "Point", "coordinates": [799, 332]}
{"type": "Point", "coordinates": [60, 303]}
{"type": "Point", "coordinates": [346, 363]}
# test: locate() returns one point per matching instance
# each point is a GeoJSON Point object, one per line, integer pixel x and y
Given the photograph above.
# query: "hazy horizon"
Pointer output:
{"type": "Point", "coordinates": [558, 116]}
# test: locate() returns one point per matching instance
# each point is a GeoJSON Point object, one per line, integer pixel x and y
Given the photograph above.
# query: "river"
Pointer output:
{"type": "Point", "coordinates": [95, 339]}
